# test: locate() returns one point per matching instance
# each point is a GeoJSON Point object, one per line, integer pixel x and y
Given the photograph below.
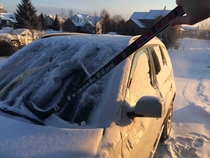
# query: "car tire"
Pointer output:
{"type": "Point", "coordinates": [167, 124]}
{"type": "Point", "coordinates": [15, 44]}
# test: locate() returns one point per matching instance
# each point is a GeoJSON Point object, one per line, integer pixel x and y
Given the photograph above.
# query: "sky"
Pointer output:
{"type": "Point", "coordinates": [120, 7]}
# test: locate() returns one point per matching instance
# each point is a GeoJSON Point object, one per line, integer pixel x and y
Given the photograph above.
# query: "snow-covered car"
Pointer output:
{"type": "Point", "coordinates": [123, 114]}
{"type": "Point", "coordinates": [21, 37]}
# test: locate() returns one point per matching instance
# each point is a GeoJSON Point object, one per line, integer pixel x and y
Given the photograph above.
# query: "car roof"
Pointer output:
{"type": "Point", "coordinates": [154, 40]}
{"type": "Point", "coordinates": [63, 34]}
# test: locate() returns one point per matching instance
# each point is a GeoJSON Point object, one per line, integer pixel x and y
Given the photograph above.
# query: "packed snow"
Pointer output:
{"type": "Point", "coordinates": [190, 135]}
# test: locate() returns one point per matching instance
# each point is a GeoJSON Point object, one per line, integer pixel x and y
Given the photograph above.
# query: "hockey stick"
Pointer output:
{"type": "Point", "coordinates": [148, 35]}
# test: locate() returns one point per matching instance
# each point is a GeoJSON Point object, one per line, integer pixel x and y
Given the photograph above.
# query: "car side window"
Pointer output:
{"type": "Point", "coordinates": [155, 60]}
{"type": "Point", "coordinates": [141, 76]}
{"type": "Point", "coordinates": [160, 54]}
{"type": "Point", "coordinates": [138, 61]}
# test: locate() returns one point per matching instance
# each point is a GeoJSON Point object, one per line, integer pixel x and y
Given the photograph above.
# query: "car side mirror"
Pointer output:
{"type": "Point", "coordinates": [148, 106]}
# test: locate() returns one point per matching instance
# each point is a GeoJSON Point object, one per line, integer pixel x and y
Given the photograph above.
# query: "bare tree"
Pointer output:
{"type": "Point", "coordinates": [71, 13]}
{"type": "Point", "coordinates": [106, 21]}
{"type": "Point", "coordinates": [118, 20]}
{"type": "Point", "coordinates": [95, 16]}
{"type": "Point", "coordinates": [63, 14]}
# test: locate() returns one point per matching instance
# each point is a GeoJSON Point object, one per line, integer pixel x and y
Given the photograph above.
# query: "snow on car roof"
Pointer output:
{"type": "Point", "coordinates": [44, 69]}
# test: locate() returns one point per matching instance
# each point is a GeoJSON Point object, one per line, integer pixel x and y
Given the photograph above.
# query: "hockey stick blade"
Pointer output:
{"type": "Point", "coordinates": [42, 115]}
{"type": "Point", "coordinates": [138, 43]}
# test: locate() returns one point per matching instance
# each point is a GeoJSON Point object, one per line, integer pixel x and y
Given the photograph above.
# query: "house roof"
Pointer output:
{"type": "Point", "coordinates": [139, 15]}
{"type": "Point", "coordinates": [189, 28]}
{"type": "Point", "coordinates": [139, 23]}
{"type": "Point", "coordinates": [8, 16]}
{"type": "Point", "coordinates": [152, 14]}
{"type": "Point", "coordinates": [94, 19]}
{"type": "Point", "coordinates": [54, 16]}
{"type": "Point", "coordinates": [82, 16]}
{"type": "Point", "coordinates": [85, 19]}
{"type": "Point", "coordinates": [155, 13]}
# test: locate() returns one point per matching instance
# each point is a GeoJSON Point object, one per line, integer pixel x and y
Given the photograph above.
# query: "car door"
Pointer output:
{"type": "Point", "coordinates": [140, 139]}
{"type": "Point", "coordinates": [163, 74]}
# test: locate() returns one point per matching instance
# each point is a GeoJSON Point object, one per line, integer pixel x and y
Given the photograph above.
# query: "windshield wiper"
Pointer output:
{"type": "Point", "coordinates": [6, 110]}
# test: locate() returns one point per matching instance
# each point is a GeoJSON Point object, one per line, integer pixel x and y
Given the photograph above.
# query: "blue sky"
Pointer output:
{"type": "Point", "coordinates": [120, 7]}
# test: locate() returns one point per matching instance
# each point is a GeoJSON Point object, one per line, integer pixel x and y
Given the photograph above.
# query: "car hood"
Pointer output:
{"type": "Point", "coordinates": [21, 139]}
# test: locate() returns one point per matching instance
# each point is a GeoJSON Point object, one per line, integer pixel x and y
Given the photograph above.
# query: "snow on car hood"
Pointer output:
{"type": "Point", "coordinates": [20, 139]}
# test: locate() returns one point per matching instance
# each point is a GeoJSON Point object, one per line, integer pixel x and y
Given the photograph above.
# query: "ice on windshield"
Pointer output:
{"type": "Point", "coordinates": [48, 69]}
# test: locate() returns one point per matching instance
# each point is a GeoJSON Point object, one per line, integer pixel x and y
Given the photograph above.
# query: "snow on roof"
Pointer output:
{"type": "Point", "coordinates": [54, 16]}
{"type": "Point", "coordinates": [189, 28]}
{"type": "Point", "coordinates": [152, 14]}
{"type": "Point", "coordinates": [94, 19]}
{"type": "Point", "coordinates": [139, 23]}
{"type": "Point", "coordinates": [82, 16]}
{"type": "Point", "coordinates": [139, 15]}
{"type": "Point", "coordinates": [83, 19]}
{"type": "Point", "coordinates": [8, 16]}
{"type": "Point", "coordinates": [155, 13]}
{"type": "Point", "coordinates": [79, 23]}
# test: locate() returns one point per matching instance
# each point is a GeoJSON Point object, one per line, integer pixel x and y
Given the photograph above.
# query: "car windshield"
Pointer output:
{"type": "Point", "coordinates": [48, 69]}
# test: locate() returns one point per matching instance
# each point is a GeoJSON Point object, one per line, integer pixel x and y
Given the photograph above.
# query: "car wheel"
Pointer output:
{"type": "Point", "coordinates": [15, 44]}
{"type": "Point", "coordinates": [167, 124]}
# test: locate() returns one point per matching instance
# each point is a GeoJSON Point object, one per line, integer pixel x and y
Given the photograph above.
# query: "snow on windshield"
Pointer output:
{"type": "Point", "coordinates": [50, 68]}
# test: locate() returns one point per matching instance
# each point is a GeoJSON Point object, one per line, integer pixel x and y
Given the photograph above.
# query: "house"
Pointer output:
{"type": "Point", "coordinates": [83, 23]}
{"type": "Point", "coordinates": [133, 27]}
{"type": "Point", "coordinates": [69, 26]}
{"type": "Point", "coordinates": [50, 19]}
{"type": "Point", "coordinates": [7, 20]}
{"type": "Point", "coordinates": [139, 22]}
{"type": "Point", "coordinates": [191, 31]}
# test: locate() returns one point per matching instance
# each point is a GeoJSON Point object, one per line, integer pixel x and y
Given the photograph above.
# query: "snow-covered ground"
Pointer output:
{"type": "Point", "coordinates": [190, 135]}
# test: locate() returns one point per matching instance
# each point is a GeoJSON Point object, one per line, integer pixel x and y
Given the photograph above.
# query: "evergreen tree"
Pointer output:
{"type": "Point", "coordinates": [43, 22]}
{"type": "Point", "coordinates": [26, 15]}
{"type": "Point", "coordinates": [56, 24]}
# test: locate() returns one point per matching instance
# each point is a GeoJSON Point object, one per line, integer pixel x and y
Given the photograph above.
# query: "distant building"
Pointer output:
{"type": "Point", "coordinates": [139, 22]}
{"type": "Point", "coordinates": [7, 20]}
{"type": "Point", "coordinates": [190, 31]}
{"type": "Point", "coordinates": [83, 23]}
{"type": "Point", "coordinates": [50, 19]}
